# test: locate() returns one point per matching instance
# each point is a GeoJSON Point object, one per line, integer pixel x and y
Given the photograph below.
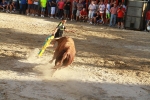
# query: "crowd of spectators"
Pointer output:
{"type": "Point", "coordinates": [93, 12]}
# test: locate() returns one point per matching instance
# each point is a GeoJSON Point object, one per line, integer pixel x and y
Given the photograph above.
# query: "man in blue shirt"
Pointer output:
{"type": "Point", "coordinates": [23, 7]}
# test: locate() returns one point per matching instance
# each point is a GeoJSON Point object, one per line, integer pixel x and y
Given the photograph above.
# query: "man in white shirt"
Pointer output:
{"type": "Point", "coordinates": [102, 10]}
{"type": "Point", "coordinates": [92, 8]}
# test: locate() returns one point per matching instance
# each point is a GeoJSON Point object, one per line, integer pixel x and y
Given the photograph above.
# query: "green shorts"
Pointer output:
{"type": "Point", "coordinates": [108, 15]}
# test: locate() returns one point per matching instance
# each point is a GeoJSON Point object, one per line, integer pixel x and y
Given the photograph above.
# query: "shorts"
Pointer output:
{"type": "Point", "coordinates": [35, 7]}
{"type": "Point", "coordinates": [53, 10]}
{"type": "Point", "coordinates": [42, 8]}
{"type": "Point", "coordinates": [66, 12]}
{"type": "Point", "coordinates": [74, 12]}
{"type": "Point", "coordinates": [30, 6]}
{"type": "Point", "coordinates": [91, 13]}
{"type": "Point", "coordinates": [108, 15]}
{"type": "Point", "coordinates": [120, 19]}
{"type": "Point", "coordinates": [78, 13]}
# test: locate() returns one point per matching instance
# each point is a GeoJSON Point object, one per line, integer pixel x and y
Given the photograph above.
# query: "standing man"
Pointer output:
{"type": "Point", "coordinates": [92, 9]}
{"type": "Point", "coordinates": [53, 7]}
{"type": "Point", "coordinates": [102, 10]}
{"type": "Point", "coordinates": [60, 5]}
{"type": "Point", "coordinates": [120, 13]}
{"type": "Point", "coordinates": [74, 10]}
{"type": "Point", "coordinates": [79, 8]}
{"type": "Point", "coordinates": [67, 8]}
{"type": "Point", "coordinates": [113, 12]}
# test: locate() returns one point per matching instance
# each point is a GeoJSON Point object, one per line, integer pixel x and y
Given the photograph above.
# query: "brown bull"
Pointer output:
{"type": "Point", "coordinates": [64, 52]}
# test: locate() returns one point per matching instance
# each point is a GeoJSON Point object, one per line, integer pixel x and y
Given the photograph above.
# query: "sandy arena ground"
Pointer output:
{"type": "Point", "coordinates": [110, 64]}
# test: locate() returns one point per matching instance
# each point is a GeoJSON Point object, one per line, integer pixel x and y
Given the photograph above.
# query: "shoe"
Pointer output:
{"type": "Point", "coordinates": [32, 14]}
{"type": "Point", "coordinates": [71, 20]}
{"type": "Point", "coordinates": [7, 11]}
{"type": "Point", "coordinates": [36, 15]}
{"type": "Point", "coordinates": [28, 14]}
{"type": "Point", "coordinates": [90, 23]}
{"type": "Point", "coordinates": [51, 17]}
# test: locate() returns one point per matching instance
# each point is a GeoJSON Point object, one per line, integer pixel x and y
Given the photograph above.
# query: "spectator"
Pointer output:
{"type": "Point", "coordinates": [96, 18]}
{"type": "Point", "coordinates": [35, 7]}
{"type": "Point", "coordinates": [23, 6]}
{"type": "Point", "coordinates": [60, 8]}
{"type": "Point", "coordinates": [43, 6]}
{"type": "Point", "coordinates": [53, 8]}
{"type": "Point", "coordinates": [74, 10]}
{"type": "Point", "coordinates": [107, 12]}
{"type": "Point", "coordinates": [91, 8]}
{"type": "Point", "coordinates": [30, 7]}
{"type": "Point", "coordinates": [79, 8]}
{"type": "Point", "coordinates": [147, 18]}
{"type": "Point", "coordinates": [49, 7]}
{"type": "Point", "coordinates": [67, 8]}
{"type": "Point", "coordinates": [3, 5]}
{"type": "Point", "coordinates": [102, 10]}
{"type": "Point", "coordinates": [7, 4]}
{"type": "Point", "coordinates": [83, 15]}
{"type": "Point", "coordinates": [120, 13]}
{"type": "Point", "coordinates": [84, 3]}
{"type": "Point", "coordinates": [113, 12]}
{"type": "Point", "coordinates": [13, 5]}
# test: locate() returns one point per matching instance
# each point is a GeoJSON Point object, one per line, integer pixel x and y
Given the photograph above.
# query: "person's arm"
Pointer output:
{"type": "Point", "coordinates": [55, 31]}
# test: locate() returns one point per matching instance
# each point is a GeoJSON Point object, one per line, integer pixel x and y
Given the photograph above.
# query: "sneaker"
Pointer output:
{"type": "Point", "coordinates": [71, 20]}
{"type": "Point", "coordinates": [36, 15]}
{"type": "Point", "coordinates": [28, 14]}
{"type": "Point", "coordinates": [32, 14]}
{"type": "Point", "coordinates": [7, 11]}
{"type": "Point", "coordinates": [90, 23]}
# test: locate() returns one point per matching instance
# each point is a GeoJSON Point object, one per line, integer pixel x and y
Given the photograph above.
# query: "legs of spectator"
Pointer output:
{"type": "Point", "coordinates": [67, 14]}
{"type": "Point", "coordinates": [119, 24]}
{"type": "Point", "coordinates": [52, 12]}
{"type": "Point", "coordinates": [42, 12]}
{"type": "Point", "coordinates": [49, 11]}
{"type": "Point", "coordinates": [77, 15]}
{"type": "Point", "coordinates": [111, 19]}
{"type": "Point", "coordinates": [24, 8]}
{"type": "Point", "coordinates": [122, 25]}
{"type": "Point", "coordinates": [114, 17]}
{"type": "Point", "coordinates": [102, 17]}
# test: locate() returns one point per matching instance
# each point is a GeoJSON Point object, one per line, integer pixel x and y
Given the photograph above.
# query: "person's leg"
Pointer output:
{"type": "Point", "coordinates": [21, 9]}
{"type": "Point", "coordinates": [77, 15]}
{"type": "Point", "coordinates": [122, 23]}
{"type": "Point", "coordinates": [24, 8]}
{"type": "Point", "coordinates": [115, 17]}
{"type": "Point", "coordinates": [111, 19]}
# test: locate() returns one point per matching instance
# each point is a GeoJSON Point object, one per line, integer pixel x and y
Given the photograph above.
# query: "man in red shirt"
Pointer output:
{"type": "Point", "coordinates": [83, 15]}
{"type": "Point", "coordinates": [120, 13]}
